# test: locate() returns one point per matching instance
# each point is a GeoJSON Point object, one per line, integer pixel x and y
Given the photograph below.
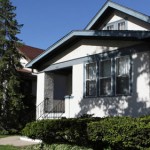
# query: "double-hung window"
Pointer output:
{"type": "Point", "coordinates": [122, 75]}
{"type": "Point", "coordinates": [110, 27]}
{"type": "Point", "coordinates": [121, 25]}
{"type": "Point", "coordinates": [91, 79]}
{"type": "Point", "coordinates": [112, 77]}
{"type": "Point", "coordinates": [105, 78]}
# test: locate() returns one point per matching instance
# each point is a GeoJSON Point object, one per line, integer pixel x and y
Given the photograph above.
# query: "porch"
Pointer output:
{"type": "Point", "coordinates": [57, 85]}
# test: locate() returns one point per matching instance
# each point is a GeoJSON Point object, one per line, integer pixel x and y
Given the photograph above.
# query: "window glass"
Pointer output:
{"type": "Point", "coordinates": [121, 26]}
{"type": "Point", "coordinates": [122, 76]}
{"type": "Point", "coordinates": [91, 79]}
{"type": "Point", "coordinates": [105, 77]}
{"type": "Point", "coordinates": [110, 27]}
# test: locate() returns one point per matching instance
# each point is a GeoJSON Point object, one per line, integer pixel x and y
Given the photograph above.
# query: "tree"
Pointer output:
{"type": "Point", "coordinates": [10, 96]}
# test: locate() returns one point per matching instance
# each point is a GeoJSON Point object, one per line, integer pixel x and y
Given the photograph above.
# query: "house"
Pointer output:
{"type": "Point", "coordinates": [28, 75]}
{"type": "Point", "coordinates": [102, 70]}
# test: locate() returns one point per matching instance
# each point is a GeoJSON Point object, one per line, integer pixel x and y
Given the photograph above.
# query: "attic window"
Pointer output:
{"type": "Point", "coordinates": [117, 25]}
{"type": "Point", "coordinates": [121, 25]}
{"type": "Point", "coordinates": [110, 27]}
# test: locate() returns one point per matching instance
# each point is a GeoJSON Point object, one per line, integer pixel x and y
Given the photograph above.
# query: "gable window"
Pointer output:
{"type": "Point", "coordinates": [121, 25]}
{"type": "Point", "coordinates": [110, 27]}
{"type": "Point", "coordinates": [122, 75]}
{"type": "Point", "coordinates": [91, 79]}
{"type": "Point", "coordinates": [111, 78]}
{"type": "Point", "coordinates": [105, 77]}
{"type": "Point", "coordinates": [117, 25]}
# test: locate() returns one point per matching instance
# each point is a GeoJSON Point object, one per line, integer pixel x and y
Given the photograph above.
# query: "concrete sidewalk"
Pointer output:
{"type": "Point", "coordinates": [16, 141]}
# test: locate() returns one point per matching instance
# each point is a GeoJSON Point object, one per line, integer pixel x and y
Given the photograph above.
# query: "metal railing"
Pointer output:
{"type": "Point", "coordinates": [49, 110]}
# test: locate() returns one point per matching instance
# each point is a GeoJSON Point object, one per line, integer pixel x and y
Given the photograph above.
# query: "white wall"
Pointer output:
{"type": "Point", "coordinates": [135, 105]}
{"type": "Point", "coordinates": [89, 47]}
{"type": "Point", "coordinates": [130, 25]}
{"type": "Point", "coordinates": [40, 88]}
{"type": "Point", "coordinates": [72, 105]}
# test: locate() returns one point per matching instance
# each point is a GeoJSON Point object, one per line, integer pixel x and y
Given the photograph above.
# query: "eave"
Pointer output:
{"type": "Point", "coordinates": [75, 36]}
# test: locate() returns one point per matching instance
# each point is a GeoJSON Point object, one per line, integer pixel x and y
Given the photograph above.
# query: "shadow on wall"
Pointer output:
{"type": "Point", "coordinates": [137, 104]}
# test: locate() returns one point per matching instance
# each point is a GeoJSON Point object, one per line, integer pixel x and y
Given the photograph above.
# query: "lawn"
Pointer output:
{"type": "Point", "coordinates": [46, 147]}
{"type": "Point", "coordinates": [8, 147]}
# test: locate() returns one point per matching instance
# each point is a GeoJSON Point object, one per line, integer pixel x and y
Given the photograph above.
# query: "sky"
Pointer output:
{"type": "Point", "coordinates": [46, 21]}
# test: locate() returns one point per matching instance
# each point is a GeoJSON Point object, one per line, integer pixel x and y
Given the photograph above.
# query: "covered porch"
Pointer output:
{"type": "Point", "coordinates": [57, 86]}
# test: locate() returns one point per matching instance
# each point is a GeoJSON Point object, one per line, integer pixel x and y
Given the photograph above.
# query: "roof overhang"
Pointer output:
{"type": "Point", "coordinates": [75, 36]}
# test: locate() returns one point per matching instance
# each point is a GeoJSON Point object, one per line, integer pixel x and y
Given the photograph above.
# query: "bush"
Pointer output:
{"type": "Point", "coordinates": [111, 133]}
{"type": "Point", "coordinates": [59, 131]}
{"type": "Point", "coordinates": [120, 133]}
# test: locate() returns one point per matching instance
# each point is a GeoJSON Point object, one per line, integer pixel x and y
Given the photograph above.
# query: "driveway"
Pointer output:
{"type": "Point", "coordinates": [17, 141]}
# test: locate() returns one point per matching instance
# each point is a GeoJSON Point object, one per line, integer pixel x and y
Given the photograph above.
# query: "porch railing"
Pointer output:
{"type": "Point", "coordinates": [49, 110]}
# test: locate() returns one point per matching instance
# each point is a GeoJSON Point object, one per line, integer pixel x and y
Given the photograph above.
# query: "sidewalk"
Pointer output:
{"type": "Point", "coordinates": [16, 141]}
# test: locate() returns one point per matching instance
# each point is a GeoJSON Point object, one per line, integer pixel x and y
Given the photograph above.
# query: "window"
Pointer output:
{"type": "Point", "coordinates": [105, 77]}
{"type": "Point", "coordinates": [122, 75]}
{"type": "Point", "coordinates": [117, 25]}
{"type": "Point", "coordinates": [111, 77]}
{"type": "Point", "coordinates": [110, 27]}
{"type": "Point", "coordinates": [91, 79]}
{"type": "Point", "coordinates": [121, 25]}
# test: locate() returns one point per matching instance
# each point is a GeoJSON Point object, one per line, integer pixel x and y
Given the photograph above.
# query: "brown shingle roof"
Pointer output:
{"type": "Point", "coordinates": [30, 52]}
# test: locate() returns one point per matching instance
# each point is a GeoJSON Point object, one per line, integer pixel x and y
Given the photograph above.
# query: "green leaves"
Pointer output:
{"type": "Point", "coordinates": [10, 96]}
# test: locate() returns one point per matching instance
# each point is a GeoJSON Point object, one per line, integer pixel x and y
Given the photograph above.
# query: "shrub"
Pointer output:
{"type": "Point", "coordinates": [59, 131]}
{"type": "Point", "coordinates": [111, 133]}
{"type": "Point", "coordinates": [120, 133]}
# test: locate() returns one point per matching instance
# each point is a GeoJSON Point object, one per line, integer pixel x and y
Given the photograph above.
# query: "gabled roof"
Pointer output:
{"type": "Point", "coordinates": [109, 7]}
{"type": "Point", "coordinates": [75, 36]}
{"type": "Point", "coordinates": [30, 52]}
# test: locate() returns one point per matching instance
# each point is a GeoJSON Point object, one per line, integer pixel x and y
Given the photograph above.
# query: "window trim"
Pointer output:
{"type": "Point", "coordinates": [115, 24]}
{"type": "Point", "coordinates": [129, 75]}
{"type": "Point", "coordinates": [85, 87]}
{"type": "Point", "coordinates": [113, 76]}
{"type": "Point", "coordinates": [110, 77]}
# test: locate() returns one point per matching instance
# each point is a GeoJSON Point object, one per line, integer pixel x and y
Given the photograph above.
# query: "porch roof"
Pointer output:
{"type": "Point", "coordinates": [75, 36]}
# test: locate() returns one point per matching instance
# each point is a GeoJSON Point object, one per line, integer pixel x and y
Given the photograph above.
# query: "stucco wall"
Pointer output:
{"type": "Point", "coordinates": [90, 47]}
{"type": "Point", "coordinates": [131, 24]}
{"type": "Point", "coordinates": [135, 105]}
{"type": "Point", "coordinates": [40, 88]}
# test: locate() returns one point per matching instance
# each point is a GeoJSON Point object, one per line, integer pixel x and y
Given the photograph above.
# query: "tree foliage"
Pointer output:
{"type": "Point", "coordinates": [10, 96]}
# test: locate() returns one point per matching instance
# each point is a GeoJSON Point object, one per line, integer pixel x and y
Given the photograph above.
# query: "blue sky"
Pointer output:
{"type": "Point", "coordinates": [46, 21]}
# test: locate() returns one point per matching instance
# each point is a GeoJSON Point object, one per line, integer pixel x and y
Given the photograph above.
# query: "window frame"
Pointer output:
{"type": "Point", "coordinates": [113, 76]}
{"type": "Point", "coordinates": [129, 76]}
{"type": "Point", "coordinates": [101, 78]}
{"type": "Point", "coordinates": [86, 79]}
{"type": "Point", "coordinates": [115, 24]}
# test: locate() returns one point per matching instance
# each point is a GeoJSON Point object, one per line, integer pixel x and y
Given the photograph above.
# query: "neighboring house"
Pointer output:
{"type": "Point", "coordinates": [102, 70]}
{"type": "Point", "coordinates": [28, 76]}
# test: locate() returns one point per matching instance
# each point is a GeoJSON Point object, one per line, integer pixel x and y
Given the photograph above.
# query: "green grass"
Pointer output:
{"type": "Point", "coordinates": [8, 147]}
{"type": "Point", "coordinates": [3, 136]}
{"type": "Point", "coordinates": [45, 147]}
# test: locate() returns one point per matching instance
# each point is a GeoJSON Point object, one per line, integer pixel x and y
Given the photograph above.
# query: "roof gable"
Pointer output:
{"type": "Point", "coordinates": [108, 9]}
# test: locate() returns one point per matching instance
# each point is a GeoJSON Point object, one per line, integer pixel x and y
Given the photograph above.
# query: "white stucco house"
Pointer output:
{"type": "Point", "coordinates": [102, 70]}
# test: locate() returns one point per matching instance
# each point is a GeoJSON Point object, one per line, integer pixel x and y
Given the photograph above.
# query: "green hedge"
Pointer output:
{"type": "Point", "coordinates": [120, 133]}
{"type": "Point", "coordinates": [114, 133]}
{"type": "Point", "coordinates": [60, 130]}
